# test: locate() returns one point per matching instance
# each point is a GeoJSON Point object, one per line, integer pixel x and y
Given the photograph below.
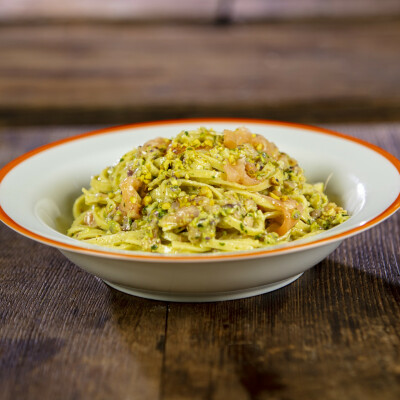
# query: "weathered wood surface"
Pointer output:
{"type": "Point", "coordinates": [116, 73]}
{"type": "Point", "coordinates": [15, 10]}
{"type": "Point", "coordinates": [333, 334]}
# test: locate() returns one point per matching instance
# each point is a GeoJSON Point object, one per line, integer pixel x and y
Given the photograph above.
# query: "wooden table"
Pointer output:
{"type": "Point", "coordinates": [104, 72]}
{"type": "Point", "coordinates": [332, 334]}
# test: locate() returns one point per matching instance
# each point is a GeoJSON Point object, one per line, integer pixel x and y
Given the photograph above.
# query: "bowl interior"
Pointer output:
{"type": "Point", "coordinates": [39, 192]}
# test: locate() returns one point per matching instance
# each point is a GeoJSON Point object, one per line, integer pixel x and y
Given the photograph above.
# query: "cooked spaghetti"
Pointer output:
{"type": "Point", "coordinates": [202, 191]}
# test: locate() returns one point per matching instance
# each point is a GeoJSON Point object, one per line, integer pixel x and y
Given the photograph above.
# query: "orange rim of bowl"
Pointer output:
{"type": "Point", "coordinates": [203, 257]}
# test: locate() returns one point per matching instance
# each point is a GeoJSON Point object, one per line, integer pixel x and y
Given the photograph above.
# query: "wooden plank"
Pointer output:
{"type": "Point", "coordinates": [245, 10]}
{"type": "Point", "coordinates": [65, 335]}
{"type": "Point", "coordinates": [104, 9]}
{"type": "Point", "coordinates": [112, 74]}
{"type": "Point", "coordinates": [322, 334]}
{"type": "Point", "coordinates": [191, 9]}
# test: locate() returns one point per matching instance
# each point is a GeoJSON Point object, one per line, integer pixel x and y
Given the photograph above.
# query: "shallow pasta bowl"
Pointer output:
{"type": "Point", "coordinates": [37, 191]}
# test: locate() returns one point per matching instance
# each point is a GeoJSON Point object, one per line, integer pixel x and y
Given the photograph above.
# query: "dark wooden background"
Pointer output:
{"type": "Point", "coordinates": [117, 62]}
{"type": "Point", "coordinates": [67, 67]}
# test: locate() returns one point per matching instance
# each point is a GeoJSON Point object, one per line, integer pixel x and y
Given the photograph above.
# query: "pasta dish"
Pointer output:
{"type": "Point", "coordinates": [202, 191]}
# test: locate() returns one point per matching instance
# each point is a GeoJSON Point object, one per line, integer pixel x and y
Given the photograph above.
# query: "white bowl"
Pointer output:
{"type": "Point", "coordinates": [37, 191]}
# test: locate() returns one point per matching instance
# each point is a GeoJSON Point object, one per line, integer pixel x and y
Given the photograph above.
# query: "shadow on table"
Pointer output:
{"type": "Point", "coordinates": [274, 343]}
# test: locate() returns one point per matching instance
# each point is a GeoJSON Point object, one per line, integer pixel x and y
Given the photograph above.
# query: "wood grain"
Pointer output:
{"type": "Point", "coordinates": [110, 73]}
{"type": "Point", "coordinates": [193, 10]}
{"type": "Point", "coordinates": [334, 333]}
